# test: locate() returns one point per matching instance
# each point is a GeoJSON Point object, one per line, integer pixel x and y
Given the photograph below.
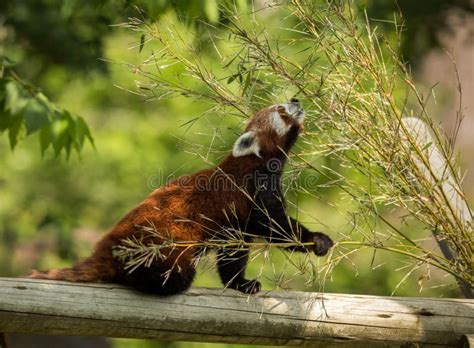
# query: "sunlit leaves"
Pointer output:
{"type": "Point", "coordinates": [24, 112]}
{"type": "Point", "coordinates": [35, 116]}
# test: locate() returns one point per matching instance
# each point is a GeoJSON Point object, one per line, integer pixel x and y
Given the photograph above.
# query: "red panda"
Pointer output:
{"type": "Point", "coordinates": [202, 206]}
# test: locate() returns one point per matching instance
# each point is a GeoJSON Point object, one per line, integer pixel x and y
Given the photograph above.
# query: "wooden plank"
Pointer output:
{"type": "Point", "coordinates": [214, 315]}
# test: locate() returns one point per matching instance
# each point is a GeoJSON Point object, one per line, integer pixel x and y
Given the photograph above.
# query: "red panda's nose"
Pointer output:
{"type": "Point", "coordinates": [294, 101]}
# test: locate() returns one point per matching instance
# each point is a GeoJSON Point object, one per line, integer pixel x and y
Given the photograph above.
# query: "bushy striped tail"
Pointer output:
{"type": "Point", "coordinates": [83, 272]}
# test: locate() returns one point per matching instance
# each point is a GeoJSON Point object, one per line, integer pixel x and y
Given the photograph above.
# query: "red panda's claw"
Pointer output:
{"type": "Point", "coordinates": [249, 287]}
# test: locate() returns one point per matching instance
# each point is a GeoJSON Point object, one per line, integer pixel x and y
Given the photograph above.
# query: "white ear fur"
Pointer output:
{"type": "Point", "coordinates": [246, 144]}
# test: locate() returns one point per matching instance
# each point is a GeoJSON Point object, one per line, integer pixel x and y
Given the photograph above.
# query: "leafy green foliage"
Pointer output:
{"type": "Point", "coordinates": [75, 45]}
{"type": "Point", "coordinates": [24, 112]}
{"type": "Point", "coordinates": [72, 33]}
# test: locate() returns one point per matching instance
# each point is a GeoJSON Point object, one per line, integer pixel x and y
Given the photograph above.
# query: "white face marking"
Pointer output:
{"type": "Point", "coordinates": [278, 124]}
{"type": "Point", "coordinates": [294, 111]}
{"type": "Point", "coordinates": [246, 144]}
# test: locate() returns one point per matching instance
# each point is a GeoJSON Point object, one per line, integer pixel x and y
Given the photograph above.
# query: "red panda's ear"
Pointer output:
{"type": "Point", "coordinates": [246, 144]}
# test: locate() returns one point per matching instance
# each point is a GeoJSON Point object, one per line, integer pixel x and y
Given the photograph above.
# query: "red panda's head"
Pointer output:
{"type": "Point", "coordinates": [271, 130]}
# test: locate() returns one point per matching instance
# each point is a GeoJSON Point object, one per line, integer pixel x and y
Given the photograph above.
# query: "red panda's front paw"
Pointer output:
{"type": "Point", "coordinates": [249, 287]}
{"type": "Point", "coordinates": [322, 243]}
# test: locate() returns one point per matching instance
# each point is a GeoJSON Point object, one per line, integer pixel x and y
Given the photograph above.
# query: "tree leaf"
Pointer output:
{"type": "Point", "coordinates": [13, 99]}
{"type": "Point", "coordinates": [5, 120]}
{"type": "Point", "coordinates": [45, 138]}
{"type": "Point", "coordinates": [35, 116]}
{"type": "Point", "coordinates": [14, 131]}
{"type": "Point", "coordinates": [84, 131]}
{"type": "Point", "coordinates": [24, 113]}
{"type": "Point", "coordinates": [59, 132]}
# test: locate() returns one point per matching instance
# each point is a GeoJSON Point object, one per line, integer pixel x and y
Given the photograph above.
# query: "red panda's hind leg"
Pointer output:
{"type": "Point", "coordinates": [161, 278]}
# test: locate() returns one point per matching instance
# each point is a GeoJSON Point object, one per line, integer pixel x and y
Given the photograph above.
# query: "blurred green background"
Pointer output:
{"type": "Point", "coordinates": [53, 210]}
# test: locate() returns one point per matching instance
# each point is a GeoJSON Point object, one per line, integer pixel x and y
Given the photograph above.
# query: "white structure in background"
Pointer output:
{"type": "Point", "coordinates": [438, 171]}
{"type": "Point", "coordinates": [421, 133]}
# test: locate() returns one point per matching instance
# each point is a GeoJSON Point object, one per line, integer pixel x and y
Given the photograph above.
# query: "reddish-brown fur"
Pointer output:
{"type": "Point", "coordinates": [166, 210]}
{"type": "Point", "coordinates": [192, 208]}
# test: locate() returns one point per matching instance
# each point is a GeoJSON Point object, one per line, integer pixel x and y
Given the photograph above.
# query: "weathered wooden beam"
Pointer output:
{"type": "Point", "coordinates": [214, 315]}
